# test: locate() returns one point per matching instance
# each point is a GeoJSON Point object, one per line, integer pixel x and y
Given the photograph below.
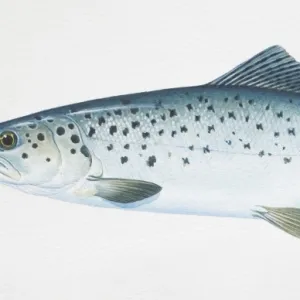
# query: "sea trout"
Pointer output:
{"type": "Point", "coordinates": [230, 147]}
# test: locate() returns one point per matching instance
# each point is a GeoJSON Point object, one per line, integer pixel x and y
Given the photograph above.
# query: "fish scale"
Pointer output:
{"type": "Point", "coordinates": [226, 148]}
{"type": "Point", "coordinates": [246, 137]}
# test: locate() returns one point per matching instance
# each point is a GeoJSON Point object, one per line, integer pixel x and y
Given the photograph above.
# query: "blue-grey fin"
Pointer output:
{"type": "Point", "coordinates": [125, 190]}
{"type": "Point", "coordinates": [272, 68]}
{"type": "Point", "coordinates": [285, 218]}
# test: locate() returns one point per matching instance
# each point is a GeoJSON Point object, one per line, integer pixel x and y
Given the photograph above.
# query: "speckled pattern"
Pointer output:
{"type": "Point", "coordinates": [182, 132]}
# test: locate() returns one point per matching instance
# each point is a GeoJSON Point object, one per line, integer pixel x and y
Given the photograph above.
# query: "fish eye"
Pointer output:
{"type": "Point", "coordinates": [8, 140]}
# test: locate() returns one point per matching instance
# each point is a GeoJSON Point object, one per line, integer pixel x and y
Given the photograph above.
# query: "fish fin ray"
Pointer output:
{"type": "Point", "coordinates": [284, 218]}
{"type": "Point", "coordinates": [272, 68]}
{"type": "Point", "coordinates": [124, 191]}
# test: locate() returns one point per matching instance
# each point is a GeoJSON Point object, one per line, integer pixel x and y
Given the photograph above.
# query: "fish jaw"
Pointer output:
{"type": "Point", "coordinates": [8, 173]}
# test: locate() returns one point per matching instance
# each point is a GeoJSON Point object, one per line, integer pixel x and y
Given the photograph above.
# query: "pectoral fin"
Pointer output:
{"type": "Point", "coordinates": [124, 190]}
{"type": "Point", "coordinates": [287, 218]}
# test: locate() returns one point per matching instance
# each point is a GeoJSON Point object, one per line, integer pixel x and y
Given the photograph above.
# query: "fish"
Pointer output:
{"type": "Point", "coordinates": [230, 147]}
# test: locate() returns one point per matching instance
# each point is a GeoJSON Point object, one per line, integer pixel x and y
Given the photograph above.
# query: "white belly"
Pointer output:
{"type": "Point", "coordinates": [221, 184]}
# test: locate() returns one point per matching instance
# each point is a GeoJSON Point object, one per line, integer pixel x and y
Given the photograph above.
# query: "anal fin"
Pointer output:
{"type": "Point", "coordinates": [285, 218]}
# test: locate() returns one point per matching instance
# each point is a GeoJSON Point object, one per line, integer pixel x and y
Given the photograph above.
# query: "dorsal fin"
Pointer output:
{"type": "Point", "coordinates": [272, 68]}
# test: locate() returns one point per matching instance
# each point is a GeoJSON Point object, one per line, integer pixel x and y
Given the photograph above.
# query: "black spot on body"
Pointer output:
{"type": "Point", "coordinates": [259, 126]}
{"type": "Point", "coordinates": [146, 135]}
{"type": "Point", "coordinates": [210, 128]}
{"type": "Point", "coordinates": [125, 131]}
{"type": "Point", "coordinates": [233, 132]}
{"type": "Point", "coordinates": [197, 118]}
{"type": "Point", "coordinates": [241, 104]}
{"type": "Point", "coordinates": [110, 147]}
{"type": "Point", "coordinates": [34, 145]}
{"type": "Point", "coordinates": [247, 146]}
{"type": "Point", "coordinates": [24, 155]}
{"type": "Point", "coordinates": [276, 134]}
{"type": "Point", "coordinates": [210, 108]}
{"type": "Point", "coordinates": [222, 119]}
{"type": "Point", "coordinates": [237, 97]}
{"type": "Point", "coordinates": [29, 141]}
{"type": "Point", "coordinates": [205, 100]}
{"type": "Point", "coordinates": [144, 147]}
{"type": "Point", "coordinates": [191, 148]}
{"type": "Point", "coordinates": [206, 149]}
{"type": "Point", "coordinates": [147, 115]}
{"type": "Point", "coordinates": [189, 107]}
{"type": "Point", "coordinates": [87, 116]}
{"type": "Point", "coordinates": [251, 101]}
{"type": "Point", "coordinates": [291, 131]}
{"type": "Point", "coordinates": [50, 120]}
{"type": "Point", "coordinates": [91, 131]}
{"type": "Point", "coordinates": [101, 120]}
{"type": "Point", "coordinates": [40, 137]}
{"type": "Point", "coordinates": [268, 107]}
{"type": "Point", "coordinates": [112, 129]}
{"type": "Point", "coordinates": [38, 118]}
{"type": "Point", "coordinates": [280, 114]}
{"type": "Point", "coordinates": [231, 115]}
{"type": "Point", "coordinates": [183, 128]}
{"type": "Point", "coordinates": [153, 121]}
{"type": "Point", "coordinates": [173, 133]}
{"type": "Point", "coordinates": [247, 119]}
{"type": "Point", "coordinates": [60, 131]}
{"type": "Point", "coordinates": [163, 117]}
{"type": "Point", "coordinates": [75, 138]}
{"type": "Point", "coordinates": [291, 101]}
{"type": "Point", "coordinates": [261, 153]}
{"type": "Point", "coordinates": [124, 159]}
{"type": "Point", "coordinates": [135, 124]}
{"type": "Point", "coordinates": [126, 146]}
{"type": "Point", "coordinates": [226, 100]}
{"type": "Point", "coordinates": [185, 161]}
{"type": "Point", "coordinates": [48, 159]}
{"type": "Point", "coordinates": [134, 110]}
{"type": "Point", "coordinates": [151, 161]}
{"type": "Point", "coordinates": [200, 98]}
{"type": "Point", "coordinates": [27, 134]}
{"type": "Point", "coordinates": [288, 119]}
{"type": "Point", "coordinates": [161, 132]}
{"type": "Point", "coordinates": [228, 142]}
{"type": "Point", "coordinates": [118, 112]}
{"type": "Point", "coordinates": [32, 126]}
{"type": "Point", "coordinates": [173, 113]}
{"type": "Point", "coordinates": [108, 114]}
{"type": "Point", "coordinates": [73, 151]}
{"type": "Point", "coordinates": [85, 151]}
{"type": "Point", "coordinates": [287, 160]}
{"type": "Point", "coordinates": [71, 126]}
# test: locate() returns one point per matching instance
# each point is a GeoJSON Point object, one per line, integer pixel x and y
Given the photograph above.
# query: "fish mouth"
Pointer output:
{"type": "Point", "coordinates": [8, 170]}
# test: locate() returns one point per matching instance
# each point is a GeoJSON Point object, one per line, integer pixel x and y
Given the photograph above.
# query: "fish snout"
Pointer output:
{"type": "Point", "coordinates": [8, 171]}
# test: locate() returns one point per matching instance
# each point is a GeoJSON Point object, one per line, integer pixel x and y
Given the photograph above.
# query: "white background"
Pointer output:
{"type": "Point", "coordinates": [64, 51]}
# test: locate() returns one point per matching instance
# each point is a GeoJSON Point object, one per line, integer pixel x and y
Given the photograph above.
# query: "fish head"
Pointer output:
{"type": "Point", "coordinates": [46, 154]}
{"type": "Point", "coordinates": [28, 154]}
